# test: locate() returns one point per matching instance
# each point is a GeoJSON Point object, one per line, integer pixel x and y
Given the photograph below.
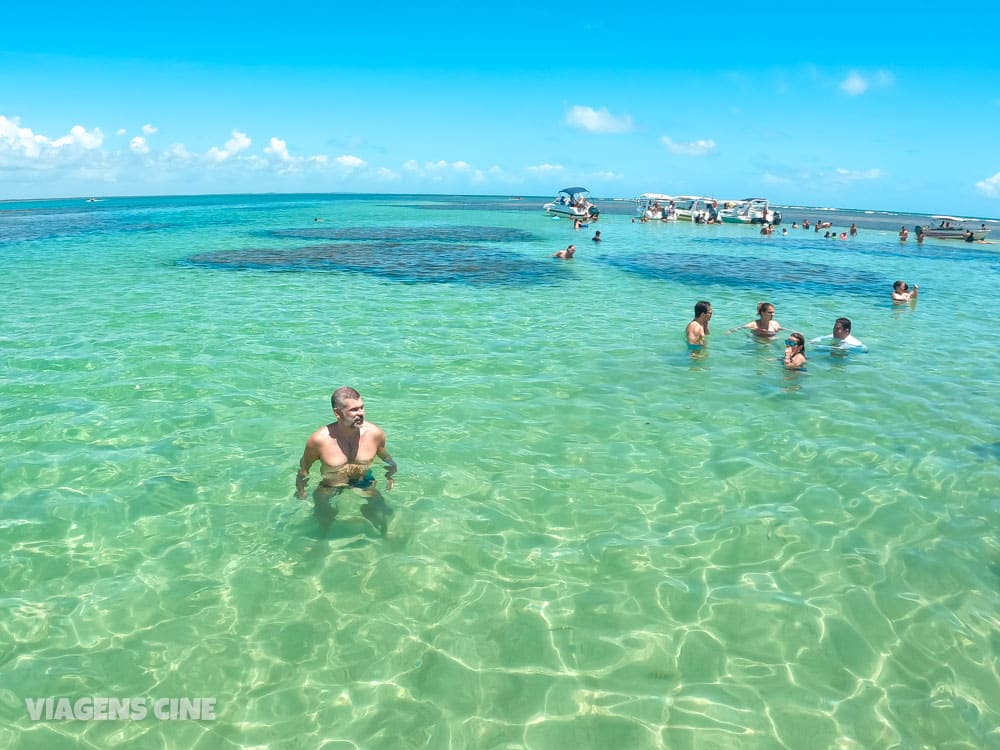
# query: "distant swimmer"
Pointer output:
{"type": "Point", "coordinates": [597, 236]}
{"type": "Point", "coordinates": [566, 254]}
{"type": "Point", "coordinates": [765, 325]}
{"type": "Point", "coordinates": [854, 230]}
{"type": "Point", "coordinates": [697, 329]}
{"type": "Point", "coordinates": [901, 292]}
{"type": "Point", "coordinates": [345, 449]}
{"type": "Point", "coordinates": [795, 351]}
{"type": "Point", "coordinates": [841, 338]}
{"type": "Point", "coordinates": [903, 234]}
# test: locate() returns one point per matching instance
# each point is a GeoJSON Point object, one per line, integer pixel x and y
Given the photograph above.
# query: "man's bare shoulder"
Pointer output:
{"type": "Point", "coordinates": [323, 435]}
{"type": "Point", "coordinates": [373, 430]}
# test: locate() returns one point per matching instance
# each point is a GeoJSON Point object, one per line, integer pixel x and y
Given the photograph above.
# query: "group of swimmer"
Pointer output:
{"type": "Point", "coordinates": [853, 231]}
{"type": "Point", "coordinates": [570, 250]}
{"type": "Point", "coordinates": [765, 326]}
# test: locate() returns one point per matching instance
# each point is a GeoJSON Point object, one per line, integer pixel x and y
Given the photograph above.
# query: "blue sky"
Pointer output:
{"type": "Point", "coordinates": [853, 105]}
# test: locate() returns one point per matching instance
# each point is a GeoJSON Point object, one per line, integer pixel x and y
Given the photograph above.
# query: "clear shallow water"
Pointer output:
{"type": "Point", "coordinates": [599, 540]}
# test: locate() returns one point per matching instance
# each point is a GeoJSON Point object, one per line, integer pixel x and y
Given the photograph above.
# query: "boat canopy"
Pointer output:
{"type": "Point", "coordinates": [655, 197]}
{"type": "Point", "coordinates": [948, 218]}
{"type": "Point", "coordinates": [574, 190]}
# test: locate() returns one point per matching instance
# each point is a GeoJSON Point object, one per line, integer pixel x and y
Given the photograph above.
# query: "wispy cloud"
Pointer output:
{"type": "Point", "coordinates": [990, 187]}
{"type": "Point", "coordinates": [598, 120]}
{"type": "Point", "coordinates": [847, 175]}
{"type": "Point", "coordinates": [702, 147]}
{"type": "Point", "coordinates": [544, 169]}
{"type": "Point", "coordinates": [772, 179]}
{"type": "Point", "coordinates": [857, 83]}
{"type": "Point", "coordinates": [148, 129]}
{"type": "Point", "coordinates": [139, 145]}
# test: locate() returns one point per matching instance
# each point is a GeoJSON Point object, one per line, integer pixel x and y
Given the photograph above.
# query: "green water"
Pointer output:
{"type": "Point", "coordinates": [599, 540]}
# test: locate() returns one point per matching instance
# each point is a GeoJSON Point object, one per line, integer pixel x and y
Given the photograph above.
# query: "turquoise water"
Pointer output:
{"type": "Point", "coordinates": [599, 540]}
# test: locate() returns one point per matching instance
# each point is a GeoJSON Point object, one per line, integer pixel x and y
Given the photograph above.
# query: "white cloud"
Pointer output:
{"type": "Point", "coordinates": [438, 170]}
{"type": "Point", "coordinates": [856, 83]}
{"type": "Point", "coordinates": [609, 176]}
{"type": "Point", "coordinates": [22, 143]}
{"type": "Point", "coordinates": [79, 136]}
{"type": "Point", "coordinates": [239, 142]}
{"type": "Point", "coordinates": [598, 120]}
{"type": "Point", "coordinates": [543, 169]}
{"type": "Point", "coordinates": [278, 149]}
{"type": "Point", "coordinates": [990, 187]}
{"type": "Point", "coordinates": [350, 162]}
{"type": "Point", "coordinates": [847, 175]}
{"type": "Point", "coordinates": [383, 173]}
{"type": "Point", "coordinates": [139, 145]}
{"type": "Point", "coordinates": [148, 129]}
{"type": "Point", "coordinates": [121, 131]}
{"type": "Point", "coordinates": [701, 147]}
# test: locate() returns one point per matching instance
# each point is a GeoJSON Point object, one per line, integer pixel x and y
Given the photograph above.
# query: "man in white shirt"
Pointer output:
{"type": "Point", "coordinates": [841, 337]}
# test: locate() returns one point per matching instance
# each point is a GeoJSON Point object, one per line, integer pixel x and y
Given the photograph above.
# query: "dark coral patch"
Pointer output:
{"type": "Point", "coordinates": [408, 262]}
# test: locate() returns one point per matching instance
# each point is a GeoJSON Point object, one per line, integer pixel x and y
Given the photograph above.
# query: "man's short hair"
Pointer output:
{"type": "Point", "coordinates": [844, 323]}
{"type": "Point", "coordinates": [341, 395]}
{"type": "Point", "coordinates": [700, 308]}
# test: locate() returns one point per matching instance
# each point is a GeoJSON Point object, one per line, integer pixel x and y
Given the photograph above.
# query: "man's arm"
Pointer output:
{"type": "Point", "coordinates": [309, 457]}
{"type": "Point", "coordinates": [694, 336]}
{"type": "Point", "coordinates": [390, 465]}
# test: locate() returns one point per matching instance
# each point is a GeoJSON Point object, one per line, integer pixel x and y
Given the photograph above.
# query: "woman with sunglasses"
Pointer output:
{"type": "Point", "coordinates": [795, 351]}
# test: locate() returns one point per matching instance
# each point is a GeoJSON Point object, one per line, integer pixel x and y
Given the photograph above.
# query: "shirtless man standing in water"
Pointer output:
{"type": "Point", "coordinates": [345, 450]}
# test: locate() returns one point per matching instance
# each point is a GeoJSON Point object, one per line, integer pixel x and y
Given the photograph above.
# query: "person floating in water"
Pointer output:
{"type": "Point", "coordinates": [345, 449]}
{"type": "Point", "coordinates": [841, 339]}
{"type": "Point", "coordinates": [566, 254]}
{"type": "Point", "coordinates": [902, 293]}
{"type": "Point", "coordinates": [697, 329]}
{"type": "Point", "coordinates": [597, 236]}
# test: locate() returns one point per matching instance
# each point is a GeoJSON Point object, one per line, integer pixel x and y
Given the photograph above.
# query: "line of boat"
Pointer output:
{"type": "Point", "coordinates": [575, 203]}
{"type": "Point", "coordinates": [704, 209]}
{"type": "Point", "coordinates": [952, 228]}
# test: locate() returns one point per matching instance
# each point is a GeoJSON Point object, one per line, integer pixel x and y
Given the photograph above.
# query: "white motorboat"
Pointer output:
{"type": "Point", "coordinates": [573, 203]}
{"type": "Point", "coordinates": [952, 228]}
{"type": "Point", "coordinates": [655, 207]}
{"type": "Point", "coordinates": [693, 208]}
{"type": "Point", "coordinates": [750, 211]}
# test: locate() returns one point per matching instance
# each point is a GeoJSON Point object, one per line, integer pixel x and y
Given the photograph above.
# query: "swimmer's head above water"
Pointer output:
{"type": "Point", "coordinates": [348, 406]}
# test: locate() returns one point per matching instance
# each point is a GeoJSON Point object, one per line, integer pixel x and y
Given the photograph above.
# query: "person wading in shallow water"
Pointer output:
{"type": "Point", "coordinates": [697, 329]}
{"type": "Point", "coordinates": [345, 449]}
